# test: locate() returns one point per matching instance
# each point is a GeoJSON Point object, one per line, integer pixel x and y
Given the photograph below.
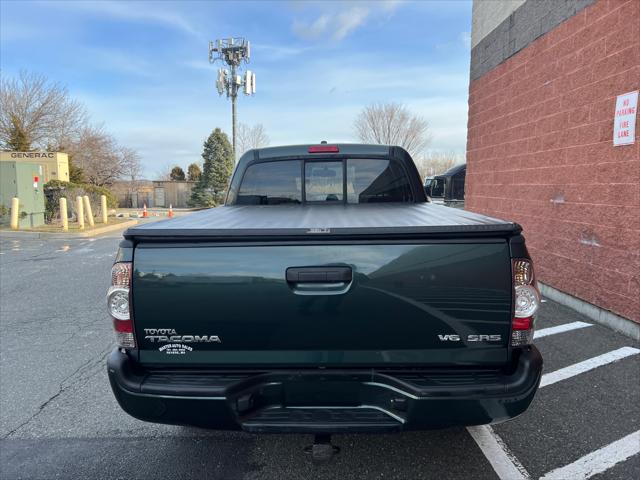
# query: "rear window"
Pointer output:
{"type": "Point", "coordinates": [323, 182]}
{"type": "Point", "coordinates": [354, 180]}
{"type": "Point", "coordinates": [271, 183]}
{"type": "Point", "coordinates": [375, 181]}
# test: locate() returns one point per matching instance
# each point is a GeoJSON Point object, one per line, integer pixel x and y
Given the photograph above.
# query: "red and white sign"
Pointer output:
{"type": "Point", "coordinates": [624, 120]}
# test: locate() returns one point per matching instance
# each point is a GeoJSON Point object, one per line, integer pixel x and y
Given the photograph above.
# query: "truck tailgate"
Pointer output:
{"type": "Point", "coordinates": [222, 305]}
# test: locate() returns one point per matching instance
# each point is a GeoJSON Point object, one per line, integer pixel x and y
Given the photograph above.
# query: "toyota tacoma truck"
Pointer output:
{"type": "Point", "coordinates": [326, 296]}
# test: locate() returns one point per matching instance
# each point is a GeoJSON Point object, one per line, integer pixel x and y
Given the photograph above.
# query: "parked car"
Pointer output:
{"type": "Point", "coordinates": [448, 188]}
{"type": "Point", "coordinates": [427, 185]}
{"type": "Point", "coordinates": [327, 296]}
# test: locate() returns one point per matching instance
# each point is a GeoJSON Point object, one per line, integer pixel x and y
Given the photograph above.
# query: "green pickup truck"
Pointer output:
{"type": "Point", "coordinates": [326, 296]}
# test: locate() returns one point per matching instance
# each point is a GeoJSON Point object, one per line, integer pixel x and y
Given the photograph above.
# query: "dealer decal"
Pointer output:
{"type": "Point", "coordinates": [175, 349]}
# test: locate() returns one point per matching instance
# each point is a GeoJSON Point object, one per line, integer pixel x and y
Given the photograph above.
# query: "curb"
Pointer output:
{"type": "Point", "coordinates": [597, 314]}
{"type": "Point", "coordinates": [93, 233]}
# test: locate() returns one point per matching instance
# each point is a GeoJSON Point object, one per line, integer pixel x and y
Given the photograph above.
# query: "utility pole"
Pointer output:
{"type": "Point", "coordinates": [232, 51]}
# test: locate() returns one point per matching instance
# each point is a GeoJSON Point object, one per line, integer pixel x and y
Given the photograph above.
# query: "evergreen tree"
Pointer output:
{"type": "Point", "coordinates": [18, 138]}
{"type": "Point", "coordinates": [76, 174]}
{"type": "Point", "coordinates": [194, 172]}
{"type": "Point", "coordinates": [216, 170]}
{"type": "Point", "coordinates": [177, 174]}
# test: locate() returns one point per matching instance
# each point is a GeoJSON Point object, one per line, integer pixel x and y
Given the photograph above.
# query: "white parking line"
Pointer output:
{"type": "Point", "coordinates": [560, 329]}
{"type": "Point", "coordinates": [590, 364]}
{"type": "Point", "coordinates": [505, 463]}
{"type": "Point", "coordinates": [598, 461]}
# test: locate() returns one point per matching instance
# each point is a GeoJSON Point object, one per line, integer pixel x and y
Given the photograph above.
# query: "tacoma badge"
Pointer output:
{"type": "Point", "coordinates": [167, 335]}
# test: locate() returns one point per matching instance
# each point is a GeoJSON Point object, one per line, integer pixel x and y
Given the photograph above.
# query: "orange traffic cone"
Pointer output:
{"type": "Point", "coordinates": [170, 214]}
{"type": "Point", "coordinates": [145, 214]}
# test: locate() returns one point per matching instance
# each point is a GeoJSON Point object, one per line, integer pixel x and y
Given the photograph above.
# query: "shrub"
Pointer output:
{"type": "Point", "coordinates": [5, 214]}
{"type": "Point", "coordinates": [56, 189]}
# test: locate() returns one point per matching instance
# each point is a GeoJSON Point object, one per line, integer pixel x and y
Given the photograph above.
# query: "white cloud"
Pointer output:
{"type": "Point", "coordinates": [447, 117]}
{"type": "Point", "coordinates": [314, 30]}
{"type": "Point", "coordinates": [133, 11]}
{"type": "Point", "coordinates": [13, 32]}
{"type": "Point", "coordinates": [362, 78]}
{"type": "Point", "coordinates": [114, 61]}
{"type": "Point", "coordinates": [349, 21]}
{"type": "Point", "coordinates": [199, 64]}
{"type": "Point", "coordinates": [465, 38]}
{"type": "Point", "coordinates": [172, 119]}
{"type": "Point", "coordinates": [277, 52]}
{"type": "Point", "coordinates": [335, 22]}
{"type": "Point", "coordinates": [462, 41]}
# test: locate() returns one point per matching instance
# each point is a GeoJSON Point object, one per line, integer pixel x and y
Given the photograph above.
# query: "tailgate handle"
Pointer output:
{"type": "Point", "coordinates": [319, 275]}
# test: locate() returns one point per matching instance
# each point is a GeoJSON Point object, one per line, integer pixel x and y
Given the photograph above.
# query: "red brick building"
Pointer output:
{"type": "Point", "coordinates": [544, 82]}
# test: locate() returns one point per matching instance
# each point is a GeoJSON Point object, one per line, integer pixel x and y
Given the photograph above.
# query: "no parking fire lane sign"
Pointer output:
{"type": "Point", "coordinates": [624, 120]}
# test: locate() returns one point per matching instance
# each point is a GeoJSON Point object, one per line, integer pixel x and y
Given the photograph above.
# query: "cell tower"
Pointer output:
{"type": "Point", "coordinates": [233, 51]}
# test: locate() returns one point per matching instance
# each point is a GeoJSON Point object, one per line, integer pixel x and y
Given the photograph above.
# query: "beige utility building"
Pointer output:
{"type": "Point", "coordinates": [55, 165]}
{"type": "Point", "coordinates": [175, 193]}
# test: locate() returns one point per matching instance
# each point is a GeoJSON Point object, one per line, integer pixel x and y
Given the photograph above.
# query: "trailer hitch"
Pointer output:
{"type": "Point", "coordinates": [322, 451]}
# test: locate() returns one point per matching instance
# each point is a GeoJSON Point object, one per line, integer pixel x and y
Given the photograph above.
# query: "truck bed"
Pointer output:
{"type": "Point", "coordinates": [342, 221]}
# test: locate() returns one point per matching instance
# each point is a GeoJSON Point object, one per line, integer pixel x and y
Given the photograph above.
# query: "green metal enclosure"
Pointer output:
{"type": "Point", "coordinates": [23, 180]}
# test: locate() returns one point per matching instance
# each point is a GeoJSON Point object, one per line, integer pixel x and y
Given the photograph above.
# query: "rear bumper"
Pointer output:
{"type": "Point", "coordinates": [325, 401]}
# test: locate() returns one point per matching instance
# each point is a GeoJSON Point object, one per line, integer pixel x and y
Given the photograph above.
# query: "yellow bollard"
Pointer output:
{"type": "Point", "coordinates": [80, 212]}
{"type": "Point", "coordinates": [63, 214]}
{"type": "Point", "coordinates": [15, 213]}
{"type": "Point", "coordinates": [87, 208]}
{"type": "Point", "coordinates": [103, 207]}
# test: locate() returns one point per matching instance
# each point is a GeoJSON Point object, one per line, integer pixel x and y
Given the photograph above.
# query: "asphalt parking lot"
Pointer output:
{"type": "Point", "coordinates": [59, 419]}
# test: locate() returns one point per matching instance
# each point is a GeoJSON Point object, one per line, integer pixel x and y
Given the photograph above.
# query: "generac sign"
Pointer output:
{"type": "Point", "coordinates": [33, 155]}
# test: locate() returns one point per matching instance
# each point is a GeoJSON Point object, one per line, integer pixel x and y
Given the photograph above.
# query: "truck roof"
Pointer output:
{"type": "Point", "coordinates": [326, 222]}
{"type": "Point", "coordinates": [453, 171]}
{"type": "Point", "coordinates": [303, 151]}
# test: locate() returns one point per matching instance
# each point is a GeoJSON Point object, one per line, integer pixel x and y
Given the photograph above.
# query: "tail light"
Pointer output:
{"type": "Point", "coordinates": [526, 304]}
{"type": "Point", "coordinates": [118, 301]}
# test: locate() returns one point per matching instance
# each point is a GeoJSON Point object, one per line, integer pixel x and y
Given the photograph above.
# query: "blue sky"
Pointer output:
{"type": "Point", "coordinates": [142, 69]}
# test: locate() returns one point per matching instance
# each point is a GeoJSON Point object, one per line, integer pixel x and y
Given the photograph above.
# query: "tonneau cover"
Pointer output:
{"type": "Point", "coordinates": [263, 221]}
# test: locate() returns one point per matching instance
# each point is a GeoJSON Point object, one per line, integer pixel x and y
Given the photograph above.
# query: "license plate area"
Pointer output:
{"type": "Point", "coordinates": [321, 393]}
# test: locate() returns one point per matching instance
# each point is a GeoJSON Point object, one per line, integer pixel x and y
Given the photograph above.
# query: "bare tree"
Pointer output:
{"type": "Point", "coordinates": [393, 124]}
{"type": "Point", "coordinates": [132, 170]}
{"type": "Point", "coordinates": [164, 172]}
{"type": "Point", "coordinates": [37, 112]}
{"type": "Point", "coordinates": [101, 159]}
{"type": "Point", "coordinates": [131, 166]}
{"type": "Point", "coordinates": [438, 162]}
{"type": "Point", "coordinates": [250, 137]}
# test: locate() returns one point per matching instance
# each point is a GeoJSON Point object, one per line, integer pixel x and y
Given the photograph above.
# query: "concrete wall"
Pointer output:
{"type": "Point", "coordinates": [540, 152]}
{"type": "Point", "coordinates": [523, 25]}
{"type": "Point", "coordinates": [133, 195]}
{"type": "Point", "coordinates": [488, 15]}
{"type": "Point", "coordinates": [171, 192]}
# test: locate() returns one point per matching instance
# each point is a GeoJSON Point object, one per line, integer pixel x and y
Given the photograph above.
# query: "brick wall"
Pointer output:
{"type": "Point", "coordinates": [540, 152]}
